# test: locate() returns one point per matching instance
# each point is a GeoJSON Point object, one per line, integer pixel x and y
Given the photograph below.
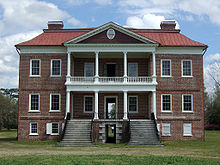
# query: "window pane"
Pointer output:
{"type": "Point", "coordinates": [55, 128]}
{"type": "Point", "coordinates": [89, 69]}
{"type": "Point", "coordinates": [132, 104]}
{"type": "Point", "coordinates": [166, 102]}
{"type": "Point", "coordinates": [35, 70]}
{"type": "Point", "coordinates": [187, 68]}
{"type": "Point", "coordinates": [55, 102]}
{"type": "Point", "coordinates": [34, 128]}
{"type": "Point", "coordinates": [55, 67]}
{"type": "Point", "coordinates": [132, 70]}
{"type": "Point", "coordinates": [187, 102]}
{"type": "Point", "coordinates": [34, 102]}
{"type": "Point", "coordinates": [88, 104]}
{"type": "Point", "coordinates": [165, 67]}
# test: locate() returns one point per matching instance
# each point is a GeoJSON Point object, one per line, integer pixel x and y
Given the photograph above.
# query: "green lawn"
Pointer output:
{"type": "Point", "coordinates": [47, 152]}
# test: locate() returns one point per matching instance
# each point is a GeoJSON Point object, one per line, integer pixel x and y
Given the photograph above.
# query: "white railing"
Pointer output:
{"type": "Point", "coordinates": [110, 80]}
{"type": "Point", "coordinates": [139, 79]}
{"type": "Point", "coordinates": [82, 79]}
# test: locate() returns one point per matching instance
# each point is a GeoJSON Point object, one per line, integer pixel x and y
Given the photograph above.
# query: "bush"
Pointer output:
{"type": "Point", "coordinates": [212, 127]}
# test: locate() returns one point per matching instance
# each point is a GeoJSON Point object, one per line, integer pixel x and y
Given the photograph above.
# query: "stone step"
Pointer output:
{"type": "Point", "coordinates": [143, 133]}
{"type": "Point", "coordinates": [78, 132]}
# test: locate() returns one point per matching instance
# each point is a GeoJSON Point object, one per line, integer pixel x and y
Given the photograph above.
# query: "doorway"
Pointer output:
{"type": "Point", "coordinates": [111, 107]}
{"type": "Point", "coordinates": [111, 70]}
{"type": "Point", "coordinates": [110, 133]}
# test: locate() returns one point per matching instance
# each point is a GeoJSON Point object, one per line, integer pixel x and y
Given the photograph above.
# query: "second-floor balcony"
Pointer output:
{"type": "Point", "coordinates": [110, 80]}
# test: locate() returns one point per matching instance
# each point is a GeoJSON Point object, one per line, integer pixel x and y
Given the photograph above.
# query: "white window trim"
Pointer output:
{"type": "Point", "coordinates": [51, 67]}
{"type": "Point", "coordinates": [136, 105]}
{"type": "Point", "coordinates": [55, 134]}
{"type": "Point", "coordinates": [133, 63]}
{"type": "Point", "coordinates": [85, 104]}
{"type": "Point", "coordinates": [35, 134]}
{"type": "Point", "coordinates": [182, 67]}
{"type": "Point", "coordinates": [191, 103]}
{"type": "Point", "coordinates": [85, 68]}
{"type": "Point", "coordinates": [30, 102]}
{"type": "Point", "coordinates": [164, 124]}
{"type": "Point", "coordinates": [31, 68]}
{"type": "Point", "coordinates": [161, 67]}
{"type": "Point", "coordinates": [162, 103]}
{"type": "Point", "coordinates": [51, 110]}
{"type": "Point", "coordinates": [184, 134]}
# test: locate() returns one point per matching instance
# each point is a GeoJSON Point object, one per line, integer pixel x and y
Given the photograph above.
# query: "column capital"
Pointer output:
{"type": "Point", "coordinates": [96, 91]}
{"type": "Point", "coordinates": [125, 52]}
{"type": "Point", "coordinates": [125, 91]}
{"type": "Point", "coordinates": [96, 52]}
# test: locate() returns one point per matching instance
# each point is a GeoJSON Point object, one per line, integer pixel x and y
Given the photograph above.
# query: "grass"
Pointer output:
{"type": "Point", "coordinates": [47, 152]}
{"type": "Point", "coordinates": [105, 159]}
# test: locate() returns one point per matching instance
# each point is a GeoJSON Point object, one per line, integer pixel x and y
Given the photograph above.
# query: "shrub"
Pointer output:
{"type": "Point", "coordinates": [212, 127]}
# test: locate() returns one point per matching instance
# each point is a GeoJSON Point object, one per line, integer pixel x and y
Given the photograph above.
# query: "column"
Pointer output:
{"type": "Point", "coordinates": [96, 105]}
{"type": "Point", "coordinates": [125, 67]}
{"type": "Point", "coordinates": [154, 104]}
{"type": "Point", "coordinates": [154, 67]}
{"type": "Point", "coordinates": [68, 66]}
{"type": "Point", "coordinates": [125, 106]}
{"type": "Point", "coordinates": [96, 66]}
{"type": "Point", "coordinates": [67, 102]}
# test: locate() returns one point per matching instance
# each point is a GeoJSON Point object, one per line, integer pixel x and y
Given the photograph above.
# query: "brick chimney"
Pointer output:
{"type": "Point", "coordinates": [55, 25]}
{"type": "Point", "coordinates": [168, 25]}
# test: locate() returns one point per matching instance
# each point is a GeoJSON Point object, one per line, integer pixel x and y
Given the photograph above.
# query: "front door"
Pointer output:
{"type": "Point", "coordinates": [111, 70]}
{"type": "Point", "coordinates": [111, 108]}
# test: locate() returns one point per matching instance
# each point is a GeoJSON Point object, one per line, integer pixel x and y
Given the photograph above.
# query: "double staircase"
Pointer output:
{"type": "Point", "coordinates": [143, 132]}
{"type": "Point", "coordinates": [77, 133]}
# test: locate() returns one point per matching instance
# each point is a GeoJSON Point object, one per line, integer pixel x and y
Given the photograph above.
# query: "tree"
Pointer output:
{"type": "Point", "coordinates": [8, 112]}
{"type": "Point", "coordinates": [212, 107]}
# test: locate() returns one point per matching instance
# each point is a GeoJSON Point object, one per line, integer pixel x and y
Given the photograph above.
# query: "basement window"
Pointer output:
{"type": "Point", "coordinates": [187, 129]}
{"type": "Point", "coordinates": [34, 128]}
{"type": "Point", "coordinates": [52, 128]}
{"type": "Point", "coordinates": [166, 129]}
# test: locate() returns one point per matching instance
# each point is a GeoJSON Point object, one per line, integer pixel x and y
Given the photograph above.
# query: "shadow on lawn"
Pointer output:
{"type": "Point", "coordinates": [11, 139]}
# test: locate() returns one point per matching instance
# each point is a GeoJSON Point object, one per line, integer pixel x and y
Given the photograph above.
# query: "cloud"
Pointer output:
{"type": "Point", "coordinates": [26, 15]}
{"type": "Point", "coordinates": [202, 9]}
{"type": "Point", "coordinates": [76, 22]}
{"type": "Point", "coordinates": [9, 58]}
{"type": "Point", "coordinates": [83, 2]}
{"type": "Point", "coordinates": [104, 2]}
{"type": "Point", "coordinates": [213, 57]}
{"type": "Point", "coordinates": [146, 21]}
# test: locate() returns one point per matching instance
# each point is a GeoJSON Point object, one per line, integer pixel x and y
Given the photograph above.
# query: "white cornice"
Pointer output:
{"type": "Point", "coordinates": [180, 50]}
{"type": "Point", "coordinates": [42, 49]}
{"type": "Point", "coordinates": [105, 27]}
{"type": "Point", "coordinates": [112, 48]}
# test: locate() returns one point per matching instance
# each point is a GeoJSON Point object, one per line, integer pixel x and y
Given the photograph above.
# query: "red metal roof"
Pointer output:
{"type": "Point", "coordinates": [170, 39]}
{"type": "Point", "coordinates": [57, 38]}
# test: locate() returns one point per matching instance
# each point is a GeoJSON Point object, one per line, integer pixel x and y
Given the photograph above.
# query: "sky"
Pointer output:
{"type": "Point", "coordinates": [21, 20]}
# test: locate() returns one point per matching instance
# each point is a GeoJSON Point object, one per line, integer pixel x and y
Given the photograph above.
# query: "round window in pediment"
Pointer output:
{"type": "Point", "coordinates": [110, 34]}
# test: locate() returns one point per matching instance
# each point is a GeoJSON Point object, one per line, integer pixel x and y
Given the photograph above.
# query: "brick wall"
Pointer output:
{"type": "Point", "coordinates": [44, 85]}
{"type": "Point", "coordinates": [176, 86]}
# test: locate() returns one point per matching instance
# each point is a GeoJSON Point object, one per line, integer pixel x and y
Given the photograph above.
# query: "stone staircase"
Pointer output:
{"type": "Point", "coordinates": [143, 132]}
{"type": "Point", "coordinates": [78, 133]}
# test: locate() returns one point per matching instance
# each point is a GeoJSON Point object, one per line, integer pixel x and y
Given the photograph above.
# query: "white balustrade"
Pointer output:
{"type": "Point", "coordinates": [110, 80]}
